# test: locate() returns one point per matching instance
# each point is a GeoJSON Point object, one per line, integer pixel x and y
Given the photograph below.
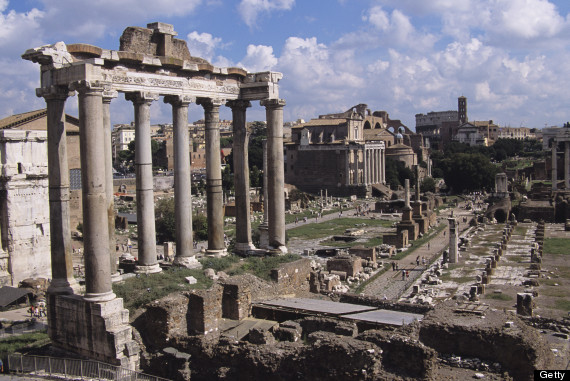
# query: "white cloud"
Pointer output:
{"type": "Point", "coordinates": [250, 9]}
{"type": "Point", "coordinates": [394, 28]}
{"type": "Point", "coordinates": [203, 45]}
{"type": "Point", "coordinates": [259, 58]}
{"type": "Point", "coordinates": [19, 31]}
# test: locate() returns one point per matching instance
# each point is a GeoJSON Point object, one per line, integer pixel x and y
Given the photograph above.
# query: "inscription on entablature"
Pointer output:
{"type": "Point", "coordinates": [143, 81]}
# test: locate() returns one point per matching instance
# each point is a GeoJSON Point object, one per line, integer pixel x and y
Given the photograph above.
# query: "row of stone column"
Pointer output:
{"type": "Point", "coordinates": [373, 166]}
{"type": "Point", "coordinates": [97, 183]}
{"type": "Point", "coordinates": [566, 164]}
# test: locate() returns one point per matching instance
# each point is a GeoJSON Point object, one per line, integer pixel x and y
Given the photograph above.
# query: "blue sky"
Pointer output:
{"type": "Point", "coordinates": [508, 57]}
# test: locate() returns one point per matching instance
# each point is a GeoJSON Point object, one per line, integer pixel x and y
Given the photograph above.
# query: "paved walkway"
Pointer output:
{"type": "Point", "coordinates": [391, 285]}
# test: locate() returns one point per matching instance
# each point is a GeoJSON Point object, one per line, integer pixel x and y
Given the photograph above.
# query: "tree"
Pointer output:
{"type": "Point", "coordinates": [166, 225]}
{"type": "Point", "coordinates": [397, 173]}
{"type": "Point", "coordinates": [428, 185]}
{"type": "Point", "coordinates": [467, 172]}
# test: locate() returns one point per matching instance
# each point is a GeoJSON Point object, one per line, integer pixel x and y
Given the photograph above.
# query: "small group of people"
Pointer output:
{"type": "Point", "coordinates": [38, 311]}
{"type": "Point", "coordinates": [405, 274]}
{"type": "Point", "coordinates": [421, 260]}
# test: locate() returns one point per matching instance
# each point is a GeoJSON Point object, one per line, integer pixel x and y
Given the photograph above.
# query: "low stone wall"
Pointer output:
{"type": "Point", "coordinates": [292, 277]}
{"type": "Point", "coordinates": [165, 318]}
{"type": "Point", "coordinates": [402, 354]}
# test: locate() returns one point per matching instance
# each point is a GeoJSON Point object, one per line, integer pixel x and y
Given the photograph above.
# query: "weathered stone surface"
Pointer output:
{"type": "Point", "coordinates": [205, 311]}
{"type": "Point", "coordinates": [23, 170]}
{"type": "Point", "coordinates": [165, 318]}
{"type": "Point", "coordinates": [293, 276]}
{"type": "Point", "coordinates": [100, 330]}
{"type": "Point", "coordinates": [402, 354]}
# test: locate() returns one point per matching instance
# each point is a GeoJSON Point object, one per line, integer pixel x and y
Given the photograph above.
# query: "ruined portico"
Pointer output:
{"type": "Point", "coordinates": [562, 137]}
{"type": "Point", "coordinates": [150, 63]}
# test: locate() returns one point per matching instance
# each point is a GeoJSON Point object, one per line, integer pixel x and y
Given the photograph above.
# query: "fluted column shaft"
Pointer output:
{"type": "Point", "coordinates": [146, 228]}
{"type": "Point", "coordinates": [215, 207]}
{"type": "Point", "coordinates": [241, 174]}
{"type": "Point", "coordinates": [107, 98]}
{"type": "Point", "coordinates": [276, 173]}
{"type": "Point", "coordinates": [63, 281]}
{"type": "Point", "coordinates": [182, 177]}
{"type": "Point", "coordinates": [93, 180]}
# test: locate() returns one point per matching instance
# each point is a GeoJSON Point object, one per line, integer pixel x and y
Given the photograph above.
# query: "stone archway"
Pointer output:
{"type": "Point", "coordinates": [367, 125]}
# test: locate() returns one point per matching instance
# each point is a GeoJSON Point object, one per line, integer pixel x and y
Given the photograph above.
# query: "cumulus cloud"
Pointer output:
{"type": "Point", "coordinates": [19, 31]}
{"type": "Point", "coordinates": [396, 28]}
{"type": "Point", "coordinates": [203, 45]}
{"type": "Point", "coordinates": [259, 58]}
{"type": "Point", "coordinates": [249, 10]}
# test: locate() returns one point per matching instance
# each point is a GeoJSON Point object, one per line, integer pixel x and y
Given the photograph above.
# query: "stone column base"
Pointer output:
{"type": "Point", "coordinates": [217, 252]}
{"type": "Point", "coordinates": [189, 262]}
{"type": "Point", "coordinates": [150, 269]}
{"type": "Point", "coordinates": [63, 287]}
{"type": "Point", "coordinates": [281, 250]}
{"type": "Point", "coordinates": [263, 236]}
{"type": "Point", "coordinates": [244, 246]}
{"type": "Point", "coordinates": [99, 297]}
{"type": "Point", "coordinates": [116, 277]}
{"type": "Point", "coordinates": [99, 331]}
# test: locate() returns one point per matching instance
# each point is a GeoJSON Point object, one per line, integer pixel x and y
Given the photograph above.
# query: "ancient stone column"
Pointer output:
{"type": "Point", "coordinates": [241, 175]}
{"type": "Point", "coordinates": [453, 240]}
{"type": "Point", "coordinates": [93, 180]}
{"type": "Point", "coordinates": [108, 96]}
{"type": "Point", "coordinates": [275, 173]}
{"type": "Point", "coordinates": [566, 164]}
{"type": "Point", "coordinates": [62, 281]}
{"type": "Point", "coordinates": [407, 193]}
{"type": "Point", "coordinates": [147, 261]}
{"type": "Point", "coordinates": [264, 226]}
{"type": "Point", "coordinates": [554, 163]}
{"type": "Point", "coordinates": [182, 182]}
{"type": "Point", "coordinates": [383, 166]}
{"type": "Point", "coordinates": [215, 207]}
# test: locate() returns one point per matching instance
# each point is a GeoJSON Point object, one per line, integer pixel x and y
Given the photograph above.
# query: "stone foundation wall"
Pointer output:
{"type": "Point", "coordinates": [293, 276]}
{"type": "Point", "coordinates": [350, 264]}
{"type": "Point", "coordinates": [205, 311]}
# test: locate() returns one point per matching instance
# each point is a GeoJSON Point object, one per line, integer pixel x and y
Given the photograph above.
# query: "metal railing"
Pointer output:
{"type": "Point", "coordinates": [74, 368]}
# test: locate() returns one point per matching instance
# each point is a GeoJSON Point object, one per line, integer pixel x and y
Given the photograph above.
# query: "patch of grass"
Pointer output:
{"type": "Point", "coordinates": [557, 246]}
{"type": "Point", "coordinates": [495, 296]}
{"type": "Point", "coordinates": [219, 264]}
{"type": "Point", "coordinates": [562, 305]}
{"type": "Point", "coordinates": [19, 343]}
{"type": "Point", "coordinates": [332, 227]}
{"type": "Point", "coordinates": [262, 266]}
{"type": "Point", "coordinates": [558, 292]}
{"type": "Point", "coordinates": [138, 291]}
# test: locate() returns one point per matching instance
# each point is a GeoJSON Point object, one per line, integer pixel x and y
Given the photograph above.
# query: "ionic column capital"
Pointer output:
{"type": "Point", "coordinates": [272, 103]}
{"type": "Point", "coordinates": [54, 93]}
{"type": "Point", "coordinates": [142, 97]}
{"type": "Point", "coordinates": [109, 94]}
{"type": "Point", "coordinates": [179, 100]}
{"type": "Point", "coordinates": [210, 104]}
{"type": "Point", "coordinates": [238, 104]}
{"type": "Point", "coordinates": [87, 87]}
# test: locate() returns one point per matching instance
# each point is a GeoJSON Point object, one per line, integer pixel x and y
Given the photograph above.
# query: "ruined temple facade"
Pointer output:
{"type": "Point", "coordinates": [345, 153]}
{"type": "Point", "coordinates": [150, 64]}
